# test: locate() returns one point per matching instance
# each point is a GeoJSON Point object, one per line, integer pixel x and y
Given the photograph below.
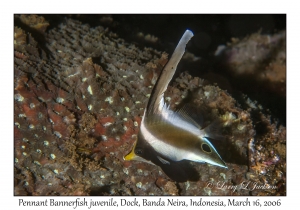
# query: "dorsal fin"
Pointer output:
{"type": "Point", "coordinates": [184, 114]}
{"type": "Point", "coordinates": [156, 101]}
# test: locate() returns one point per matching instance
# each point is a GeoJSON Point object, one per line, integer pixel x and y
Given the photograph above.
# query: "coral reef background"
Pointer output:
{"type": "Point", "coordinates": [81, 83]}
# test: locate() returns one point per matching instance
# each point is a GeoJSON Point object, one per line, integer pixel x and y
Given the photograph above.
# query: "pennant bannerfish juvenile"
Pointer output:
{"type": "Point", "coordinates": [166, 136]}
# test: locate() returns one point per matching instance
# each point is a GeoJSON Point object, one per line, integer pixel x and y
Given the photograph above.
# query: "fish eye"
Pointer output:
{"type": "Point", "coordinates": [138, 151]}
{"type": "Point", "coordinates": [206, 148]}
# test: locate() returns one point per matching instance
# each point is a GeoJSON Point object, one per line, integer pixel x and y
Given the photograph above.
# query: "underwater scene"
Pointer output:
{"type": "Point", "coordinates": [150, 105]}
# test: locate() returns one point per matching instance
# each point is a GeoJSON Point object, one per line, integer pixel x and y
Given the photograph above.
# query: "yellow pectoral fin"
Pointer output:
{"type": "Point", "coordinates": [131, 155]}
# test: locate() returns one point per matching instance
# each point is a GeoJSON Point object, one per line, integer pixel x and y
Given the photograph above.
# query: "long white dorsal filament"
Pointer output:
{"type": "Point", "coordinates": [156, 101]}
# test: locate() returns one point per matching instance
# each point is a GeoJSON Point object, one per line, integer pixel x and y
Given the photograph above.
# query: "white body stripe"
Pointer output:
{"type": "Point", "coordinates": [174, 153]}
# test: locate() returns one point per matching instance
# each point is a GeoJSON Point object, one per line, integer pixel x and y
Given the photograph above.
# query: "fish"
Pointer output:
{"type": "Point", "coordinates": [166, 136]}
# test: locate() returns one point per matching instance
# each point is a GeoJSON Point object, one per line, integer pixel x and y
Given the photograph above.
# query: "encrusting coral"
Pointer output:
{"type": "Point", "coordinates": [78, 107]}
